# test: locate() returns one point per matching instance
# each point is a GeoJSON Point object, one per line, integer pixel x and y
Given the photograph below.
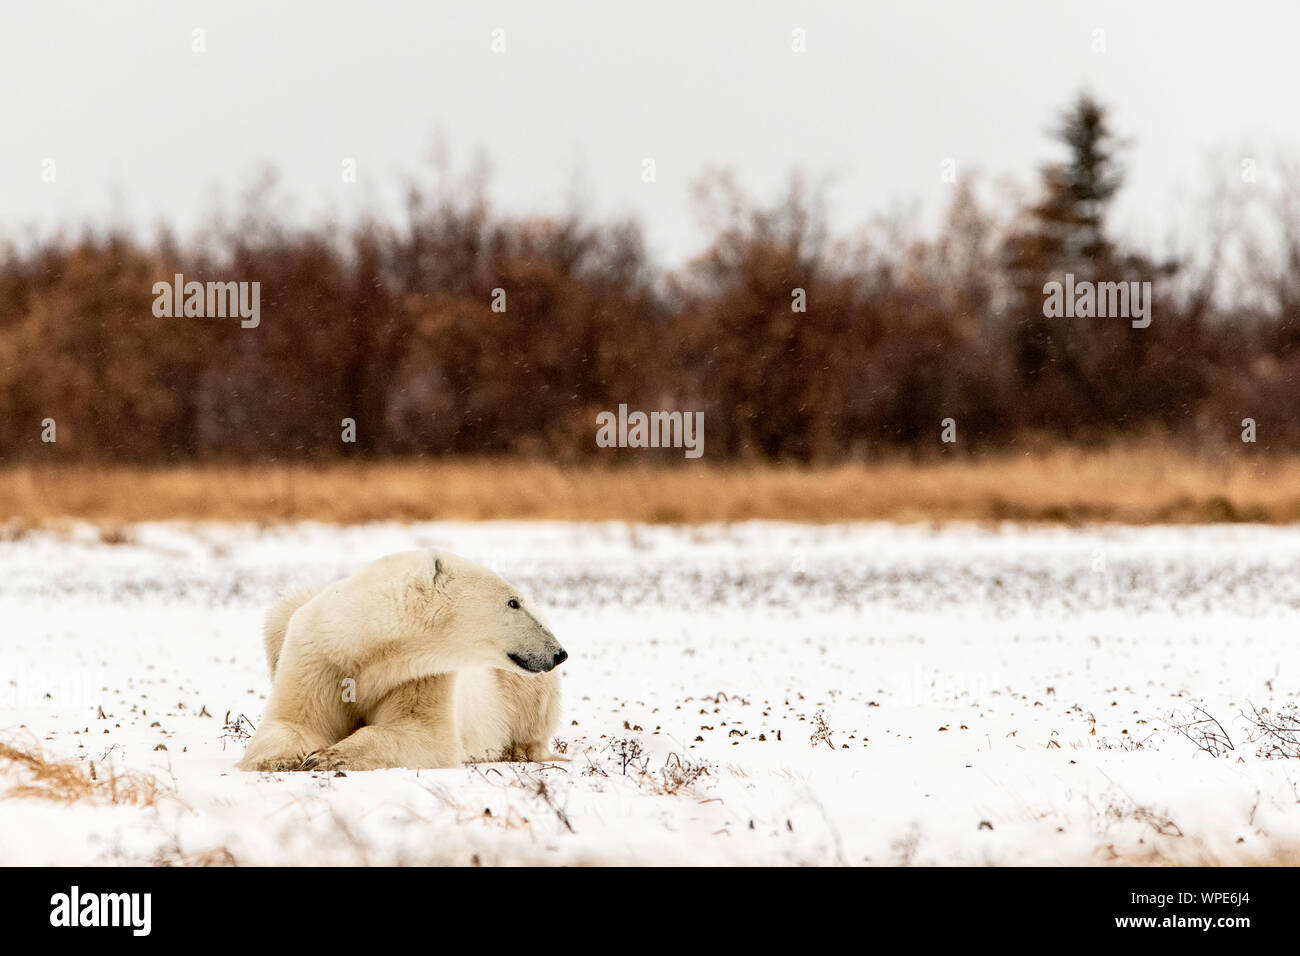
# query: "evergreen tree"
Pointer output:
{"type": "Point", "coordinates": [1064, 231]}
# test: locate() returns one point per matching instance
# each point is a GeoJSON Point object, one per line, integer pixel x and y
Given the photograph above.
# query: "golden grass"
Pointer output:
{"type": "Point", "coordinates": [30, 773]}
{"type": "Point", "coordinates": [1129, 485]}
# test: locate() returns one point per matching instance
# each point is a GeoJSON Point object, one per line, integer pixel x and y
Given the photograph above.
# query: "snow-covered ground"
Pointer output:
{"type": "Point", "coordinates": [985, 696]}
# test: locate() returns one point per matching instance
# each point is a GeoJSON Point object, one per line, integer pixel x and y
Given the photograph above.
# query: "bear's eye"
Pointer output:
{"type": "Point", "coordinates": [513, 603]}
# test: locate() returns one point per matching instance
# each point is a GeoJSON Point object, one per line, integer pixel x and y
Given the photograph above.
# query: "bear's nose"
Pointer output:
{"type": "Point", "coordinates": [560, 658]}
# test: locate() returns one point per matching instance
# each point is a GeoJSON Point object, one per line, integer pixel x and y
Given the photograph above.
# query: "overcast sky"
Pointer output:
{"type": "Point", "coordinates": [142, 129]}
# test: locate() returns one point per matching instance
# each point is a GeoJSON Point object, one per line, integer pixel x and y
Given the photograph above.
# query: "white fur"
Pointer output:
{"type": "Point", "coordinates": [417, 660]}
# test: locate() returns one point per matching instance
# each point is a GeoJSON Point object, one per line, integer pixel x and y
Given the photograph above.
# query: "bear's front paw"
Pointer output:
{"type": "Point", "coordinates": [327, 759]}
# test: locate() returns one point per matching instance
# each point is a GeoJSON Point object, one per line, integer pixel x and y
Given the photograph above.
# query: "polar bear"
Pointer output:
{"type": "Point", "coordinates": [420, 659]}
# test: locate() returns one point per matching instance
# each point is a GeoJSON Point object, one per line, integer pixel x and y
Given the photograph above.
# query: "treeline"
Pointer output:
{"type": "Point", "coordinates": [462, 331]}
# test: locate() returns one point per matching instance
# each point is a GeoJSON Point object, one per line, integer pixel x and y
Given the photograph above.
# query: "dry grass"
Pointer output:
{"type": "Point", "coordinates": [1130, 485]}
{"type": "Point", "coordinates": [30, 773]}
{"type": "Point", "coordinates": [1200, 855]}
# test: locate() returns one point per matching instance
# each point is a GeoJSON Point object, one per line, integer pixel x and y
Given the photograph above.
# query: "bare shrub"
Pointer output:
{"type": "Point", "coordinates": [1276, 734]}
{"type": "Point", "coordinates": [821, 731]}
{"type": "Point", "coordinates": [677, 775]}
{"type": "Point", "coordinates": [238, 729]}
{"type": "Point", "coordinates": [537, 785]}
{"type": "Point", "coordinates": [630, 754]}
{"type": "Point", "coordinates": [680, 774]}
{"type": "Point", "coordinates": [1121, 807]}
{"type": "Point", "coordinates": [1203, 730]}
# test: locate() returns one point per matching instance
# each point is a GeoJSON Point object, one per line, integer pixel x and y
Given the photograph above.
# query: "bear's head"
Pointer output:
{"type": "Point", "coordinates": [499, 626]}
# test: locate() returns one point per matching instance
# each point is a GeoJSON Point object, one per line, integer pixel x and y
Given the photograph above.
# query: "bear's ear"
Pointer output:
{"type": "Point", "coordinates": [433, 585]}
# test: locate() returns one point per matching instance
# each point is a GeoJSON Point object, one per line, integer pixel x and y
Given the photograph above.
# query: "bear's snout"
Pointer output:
{"type": "Point", "coordinates": [539, 663]}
